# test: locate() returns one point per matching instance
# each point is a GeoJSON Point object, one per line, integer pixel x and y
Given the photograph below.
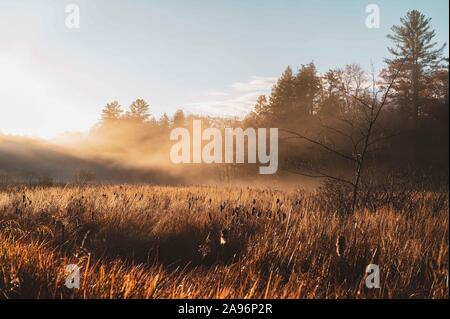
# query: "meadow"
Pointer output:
{"type": "Point", "coordinates": [133, 241]}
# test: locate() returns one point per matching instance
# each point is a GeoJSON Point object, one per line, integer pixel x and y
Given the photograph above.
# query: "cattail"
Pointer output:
{"type": "Point", "coordinates": [223, 236]}
{"type": "Point", "coordinates": [61, 227]}
{"type": "Point", "coordinates": [340, 245]}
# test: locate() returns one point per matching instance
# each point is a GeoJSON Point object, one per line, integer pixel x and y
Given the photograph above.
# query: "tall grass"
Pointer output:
{"type": "Point", "coordinates": [218, 242]}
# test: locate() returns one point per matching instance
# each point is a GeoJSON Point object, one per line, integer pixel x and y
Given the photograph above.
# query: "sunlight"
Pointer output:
{"type": "Point", "coordinates": [31, 103]}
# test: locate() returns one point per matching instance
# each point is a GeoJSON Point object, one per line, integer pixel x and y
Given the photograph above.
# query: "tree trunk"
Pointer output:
{"type": "Point", "coordinates": [415, 110]}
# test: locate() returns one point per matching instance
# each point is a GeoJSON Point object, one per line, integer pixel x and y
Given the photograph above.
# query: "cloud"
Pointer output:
{"type": "Point", "coordinates": [238, 102]}
{"type": "Point", "coordinates": [256, 83]}
{"type": "Point", "coordinates": [217, 93]}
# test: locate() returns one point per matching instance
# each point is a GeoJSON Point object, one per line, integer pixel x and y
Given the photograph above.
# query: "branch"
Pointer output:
{"type": "Point", "coordinates": [337, 131]}
{"type": "Point", "coordinates": [347, 121]}
{"type": "Point", "coordinates": [361, 101]}
{"type": "Point", "coordinates": [323, 175]}
{"type": "Point", "coordinates": [297, 135]}
{"type": "Point", "coordinates": [389, 88]}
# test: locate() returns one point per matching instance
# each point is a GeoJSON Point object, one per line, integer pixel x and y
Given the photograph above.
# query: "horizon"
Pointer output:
{"type": "Point", "coordinates": [207, 58]}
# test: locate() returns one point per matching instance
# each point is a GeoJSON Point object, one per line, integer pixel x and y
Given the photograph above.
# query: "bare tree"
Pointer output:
{"type": "Point", "coordinates": [362, 137]}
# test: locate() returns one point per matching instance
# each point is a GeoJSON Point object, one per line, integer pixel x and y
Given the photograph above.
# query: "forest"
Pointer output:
{"type": "Point", "coordinates": [322, 116]}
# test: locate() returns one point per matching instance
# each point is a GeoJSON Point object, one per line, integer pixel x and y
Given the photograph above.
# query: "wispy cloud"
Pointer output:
{"type": "Point", "coordinates": [237, 101]}
{"type": "Point", "coordinates": [217, 93]}
{"type": "Point", "coordinates": [256, 83]}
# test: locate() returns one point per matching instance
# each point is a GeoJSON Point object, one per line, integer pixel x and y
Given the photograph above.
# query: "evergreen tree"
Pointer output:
{"type": "Point", "coordinates": [179, 120]}
{"type": "Point", "coordinates": [331, 102]}
{"type": "Point", "coordinates": [261, 113]}
{"type": "Point", "coordinates": [111, 112]}
{"type": "Point", "coordinates": [164, 122]}
{"type": "Point", "coordinates": [139, 110]}
{"type": "Point", "coordinates": [413, 45]}
{"type": "Point", "coordinates": [307, 87]}
{"type": "Point", "coordinates": [282, 98]}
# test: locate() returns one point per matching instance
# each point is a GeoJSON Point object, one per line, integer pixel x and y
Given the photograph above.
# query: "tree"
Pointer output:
{"type": "Point", "coordinates": [111, 112]}
{"type": "Point", "coordinates": [437, 84]}
{"type": "Point", "coordinates": [331, 102]}
{"type": "Point", "coordinates": [139, 110]}
{"type": "Point", "coordinates": [353, 84]}
{"type": "Point", "coordinates": [179, 120]}
{"type": "Point", "coordinates": [413, 43]}
{"type": "Point", "coordinates": [164, 122]}
{"type": "Point", "coordinates": [306, 88]}
{"type": "Point", "coordinates": [261, 112]}
{"type": "Point", "coordinates": [436, 101]}
{"type": "Point", "coordinates": [281, 100]}
{"type": "Point", "coordinates": [364, 143]}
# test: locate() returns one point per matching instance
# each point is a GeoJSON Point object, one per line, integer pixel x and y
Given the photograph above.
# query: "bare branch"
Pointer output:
{"type": "Point", "coordinates": [361, 101]}
{"type": "Point", "coordinates": [336, 130]}
{"type": "Point", "coordinates": [389, 88]}
{"type": "Point", "coordinates": [347, 121]}
{"type": "Point", "coordinates": [297, 135]}
{"type": "Point", "coordinates": [322, 175]}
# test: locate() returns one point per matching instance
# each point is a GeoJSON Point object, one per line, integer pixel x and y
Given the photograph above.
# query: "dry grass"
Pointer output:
{"type": "Point", "coordinates": [217, 242]}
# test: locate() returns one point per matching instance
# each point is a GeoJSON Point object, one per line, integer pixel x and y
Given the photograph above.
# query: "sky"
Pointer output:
{"type": "Point", "coordinates": [204, 56]}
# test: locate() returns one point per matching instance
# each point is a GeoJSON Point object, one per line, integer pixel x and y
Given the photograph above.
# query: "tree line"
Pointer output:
{"type": "Point", "coordinates": [419, 91]}
{"type": "Point", "coordinates": [334, 108]}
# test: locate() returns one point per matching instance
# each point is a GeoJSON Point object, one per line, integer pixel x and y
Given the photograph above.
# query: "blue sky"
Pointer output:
{"type": "Point", "coordinates": [211, 57]}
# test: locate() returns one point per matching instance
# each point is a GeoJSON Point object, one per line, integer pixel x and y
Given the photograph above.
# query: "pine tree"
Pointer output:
{"type": "Point", "coordinates": [179, 120]}
{"type": "Point", "coordinates": [164, 122]}
{"type": "Point", "coordinates": [307, 87]}
{"type": "Point", "coordinates": [139, 110]}
{"type": "Point", "coordinates": [331, 104]}
{"type": "Point", "coordinates": [261, 111]}
{"type": "Point", "coordinates": [111, 112]}
{"type": "Point", "coordinates": [282, 98]}
{"type": "Point", "coordinates": [413, 45]}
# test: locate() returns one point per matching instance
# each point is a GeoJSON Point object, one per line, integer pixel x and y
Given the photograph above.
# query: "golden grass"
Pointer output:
{"type": "Point", "coordinates": [217, 242]}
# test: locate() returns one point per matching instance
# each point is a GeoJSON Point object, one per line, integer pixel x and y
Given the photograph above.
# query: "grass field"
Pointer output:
{"type": "Point", "coordinates": [219, 242]}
